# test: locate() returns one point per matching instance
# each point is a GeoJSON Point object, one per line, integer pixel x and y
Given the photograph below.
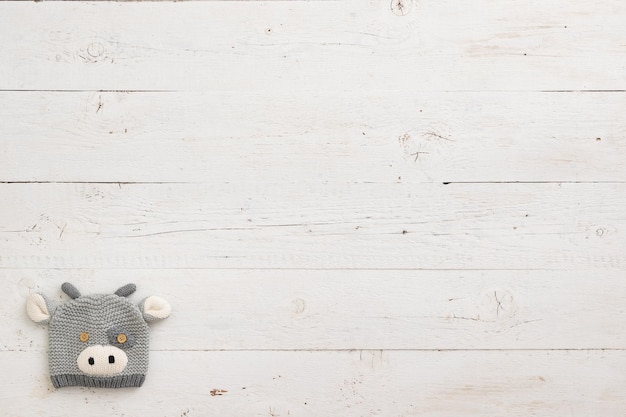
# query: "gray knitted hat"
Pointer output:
{"type": "Point", "coordinates": [98, 340]}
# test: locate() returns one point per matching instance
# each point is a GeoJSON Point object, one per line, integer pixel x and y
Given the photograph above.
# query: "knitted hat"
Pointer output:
{"type": "Point", "coordinates": [98, 340]}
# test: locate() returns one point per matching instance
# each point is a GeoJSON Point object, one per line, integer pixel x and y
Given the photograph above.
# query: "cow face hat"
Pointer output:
{"type": "Point", "coordinates": [98, 340]}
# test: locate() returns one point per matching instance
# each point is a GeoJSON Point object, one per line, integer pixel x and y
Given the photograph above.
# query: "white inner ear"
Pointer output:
{"type": "Point", "coordinates": [156, 307]}
{"type": "Point", "coordinates": [37, 308]}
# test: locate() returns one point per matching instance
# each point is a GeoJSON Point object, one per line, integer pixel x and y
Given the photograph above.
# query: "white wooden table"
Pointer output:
{"type": "Point", "coordinates": [355, 208]}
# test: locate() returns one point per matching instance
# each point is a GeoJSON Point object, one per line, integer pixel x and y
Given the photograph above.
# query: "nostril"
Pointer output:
{"type": "Point", "coordinates": [111, 359]}
{"type": "Point", "coordinates": [91, 361]}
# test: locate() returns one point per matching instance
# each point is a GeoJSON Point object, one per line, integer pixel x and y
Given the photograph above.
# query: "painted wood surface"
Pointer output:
{"type": "Point", "coordinates": [304, 47]}
{"type": "Point", "coordinates": [302, 225]}
{"type": "Point", "coordinates": [349, 309]}
{"type": "Point", "coordinates": [397, 383]}
{"type": "Point", "coordinates": [409, 137]}
{"type": "Point", "coordinates": [355, 208]}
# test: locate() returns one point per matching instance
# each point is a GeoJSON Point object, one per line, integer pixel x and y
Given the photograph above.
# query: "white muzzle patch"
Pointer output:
{"type": "Point", "coordinates": [102, 360]}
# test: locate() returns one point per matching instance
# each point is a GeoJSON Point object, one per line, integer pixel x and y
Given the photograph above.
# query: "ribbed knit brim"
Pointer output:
{"type": "Point", "coordinates": [119, 381]}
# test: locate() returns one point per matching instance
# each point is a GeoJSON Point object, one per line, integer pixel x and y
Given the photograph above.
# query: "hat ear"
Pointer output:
{"type": "Point", "coordinates": [38, 308]}
{"type": "Point", "coordinates": [126, 290]}
{"type": "Point", "coordinates": [154, 308]}
{"type": "Point", "coordinates": [70, 290]}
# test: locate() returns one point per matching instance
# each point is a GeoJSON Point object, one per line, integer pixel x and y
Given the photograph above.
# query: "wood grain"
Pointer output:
{"type": "Point", "coordinates": [397, 383]}
{"type": "Point", "coordinates": [314, 46]}
{"type": "Point", "coordinates": [320, 226]}
{"type": "Point", "coordinates": [356, 309]}
{"type": "Point", "coordinates": [383, 138]}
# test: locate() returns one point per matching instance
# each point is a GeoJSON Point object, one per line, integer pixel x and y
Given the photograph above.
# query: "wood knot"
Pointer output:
{"type": "Point", "coordinates": [95, 49]}
{"type": "Point", "coordinates": [94, 52]}
{"type": "Point", "coordinates": [401, 7]}
{"type": "Point", "coordinates": [299, 305]}
{"type": "Point", "coordinates": [498, 305]}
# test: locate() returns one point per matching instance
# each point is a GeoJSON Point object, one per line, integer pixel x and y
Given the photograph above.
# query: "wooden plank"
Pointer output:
{"type": "Point", "coordinates": [314, 46]}
{"type": "Point", "coordinates": [411, 137]}
{"type": "Point", "coordinates": [355, 309]}
{"type": "Point", "coordinates": [319, 226]}
{"type": "Point", "coordinates": [363, 383]}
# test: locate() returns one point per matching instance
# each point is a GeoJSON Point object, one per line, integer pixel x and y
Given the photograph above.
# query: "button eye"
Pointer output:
{"type": "Point", "coordinates": [84, 336]}
{"type": "Point", "coordinates": [119, 337]}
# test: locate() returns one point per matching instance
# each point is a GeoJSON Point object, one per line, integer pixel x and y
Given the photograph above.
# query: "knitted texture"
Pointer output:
{"type": "Point", "coordinates": [97, 340]}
